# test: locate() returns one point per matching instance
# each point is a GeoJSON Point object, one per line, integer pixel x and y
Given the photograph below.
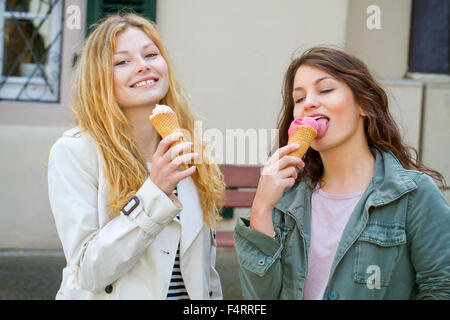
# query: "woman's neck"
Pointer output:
{"type": "Point", "coordinates": [145, 135]}
{"type": "Point", "coordinates": [347, 168]}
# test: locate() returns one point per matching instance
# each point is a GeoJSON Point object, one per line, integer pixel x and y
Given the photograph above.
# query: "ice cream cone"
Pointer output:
{"type": "Point", "coordinates": [304, 136]}
{"type": "Point", "coordinates": [165, 123]}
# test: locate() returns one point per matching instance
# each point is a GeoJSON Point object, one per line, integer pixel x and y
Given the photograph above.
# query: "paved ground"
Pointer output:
{"type": "Point", "coordinates": [31, 276]}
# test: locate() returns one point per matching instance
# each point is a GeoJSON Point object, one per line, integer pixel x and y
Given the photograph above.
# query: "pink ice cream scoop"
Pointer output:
{"type": "Point", "coordinates": [307, 121]}
{"type": "Point", "coordinates": [302, 132]}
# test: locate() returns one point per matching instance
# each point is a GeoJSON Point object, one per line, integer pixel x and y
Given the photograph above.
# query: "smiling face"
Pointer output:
{"type": "Point", "coordinates": [318, 94]}
{"type": "Point", "coordinates": [140, 71]}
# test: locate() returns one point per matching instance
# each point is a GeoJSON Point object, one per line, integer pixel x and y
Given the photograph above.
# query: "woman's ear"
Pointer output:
{"type": "Point", "coordinates": [361, 112]}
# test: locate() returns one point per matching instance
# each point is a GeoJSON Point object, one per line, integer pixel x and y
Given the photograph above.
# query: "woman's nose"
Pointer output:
{"type": "Point", "coordinates": [143, 66]}
{"type": "Point", "coordinates": [310, 103]}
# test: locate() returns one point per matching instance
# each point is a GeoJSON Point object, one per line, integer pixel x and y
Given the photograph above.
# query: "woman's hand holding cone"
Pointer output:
{"type": "Point", "coordinates": [166, 161]}
{"type": "Point", "coordinates": [278, 174]}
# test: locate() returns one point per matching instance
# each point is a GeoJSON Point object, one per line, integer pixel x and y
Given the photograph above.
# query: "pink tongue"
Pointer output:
{"type": "Point", "coordinates": [323, 126]}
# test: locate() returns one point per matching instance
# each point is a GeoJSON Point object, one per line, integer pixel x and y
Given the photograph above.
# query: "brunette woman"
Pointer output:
{"type": "Point", "coordinates": [363, 218]}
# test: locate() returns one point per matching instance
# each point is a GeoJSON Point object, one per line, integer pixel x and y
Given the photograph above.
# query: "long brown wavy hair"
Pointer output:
{"type": "Point", "coordinates": [380, 128]}
{"type": "Point", "coordinates": [98, 113]}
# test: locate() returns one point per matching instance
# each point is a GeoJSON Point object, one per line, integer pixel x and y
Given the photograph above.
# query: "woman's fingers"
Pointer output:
{"type": "Point", "coordinates": [288, 161]}
{"type": "Point", "coordinates": [279, 174]}
{"type": "Point", "coordinates": [283, 151]}
{"type": "Point", "coordinates": [174, 151]}
{"type": "Point", "coordinates": [288, 183]}
{"type": "Point", "coordinates": [289, 172]}
{"type": "Point", "coordinates": [284, 162]}
{"type": "Point", "coordinates": [167, 160]}
{"type": "Point", "coordinates": [180, 175]}
{"type": "Point", "coordinates": [165, 143]}
{"type": "Point", "coordinates": [184, 158]}
{"type": "Point", "coordinates": [166, 175]}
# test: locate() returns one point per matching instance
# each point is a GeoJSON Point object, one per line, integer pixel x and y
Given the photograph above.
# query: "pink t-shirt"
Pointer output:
{"type": "Point", "coordinates": [329, 216]}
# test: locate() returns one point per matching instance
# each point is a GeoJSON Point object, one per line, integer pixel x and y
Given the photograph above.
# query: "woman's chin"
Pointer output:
{"type": "Point", "coordinates": [319, 145]}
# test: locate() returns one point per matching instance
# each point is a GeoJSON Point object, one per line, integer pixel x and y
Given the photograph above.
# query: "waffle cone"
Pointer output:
{"type": "Point", "coordinates": [304, 136]}
{"type": "Point", "coordinates": [165, 124]}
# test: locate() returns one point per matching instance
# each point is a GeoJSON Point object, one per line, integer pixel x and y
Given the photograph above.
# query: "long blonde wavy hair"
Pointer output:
{"type": "Point", "coordinates": [98, 113]}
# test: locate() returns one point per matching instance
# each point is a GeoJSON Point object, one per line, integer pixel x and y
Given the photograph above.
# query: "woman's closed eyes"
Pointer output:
{"type": "Point", "coordinates": [324, 91]}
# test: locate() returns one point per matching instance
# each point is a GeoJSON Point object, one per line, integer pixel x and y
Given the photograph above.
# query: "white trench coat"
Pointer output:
{"type": "Point", "coordinates": [129, 256]}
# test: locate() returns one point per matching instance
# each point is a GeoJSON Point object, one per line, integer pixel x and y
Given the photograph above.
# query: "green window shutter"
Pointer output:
{"type": "Point", "coordinates": [227, 213]}
{"type": "Point", "coordinates": [97, 9]}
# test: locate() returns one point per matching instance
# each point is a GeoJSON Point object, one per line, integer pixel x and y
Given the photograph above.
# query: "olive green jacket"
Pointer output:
{"type": "Point", "coordinates": [396, 244]}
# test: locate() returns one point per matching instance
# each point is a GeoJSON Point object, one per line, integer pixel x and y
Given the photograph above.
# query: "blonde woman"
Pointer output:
{"type": "Point", "coordinates": [133, 223]}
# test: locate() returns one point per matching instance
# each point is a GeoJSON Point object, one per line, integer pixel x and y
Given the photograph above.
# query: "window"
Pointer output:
{"type": "Point", "coordinates": [30, 34]}
{"type": "Point", "coordinates": [430, 37]}
{"type": "Point", "coordinates": [97, 9]}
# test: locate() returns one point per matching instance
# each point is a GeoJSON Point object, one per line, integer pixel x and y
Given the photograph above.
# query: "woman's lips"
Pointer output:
{"type": "Point", "coordinates": [145, 83]}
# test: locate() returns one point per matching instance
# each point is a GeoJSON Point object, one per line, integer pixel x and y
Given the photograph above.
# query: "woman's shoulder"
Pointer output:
{"type": "Point", "coordinates": [75, 138]}
{"type": "Point", "coordinates": [421, 179]}
{"type": "Point", "coordinates": [72, 133]}
{"type": "Point", "coordinates": [425, 183]}
{"type": "Point", "coordinates": [76, 145]}
{"type": "Point", "coordinates": [427, 198]}
{"type": "Point", "coordinates": [397, 174]}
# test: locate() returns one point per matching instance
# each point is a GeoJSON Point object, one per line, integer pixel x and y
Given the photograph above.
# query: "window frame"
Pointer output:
{"type": "Point", "coordinates": [18, 88]}
{"type": "Point", "coordinates": [429, 49]}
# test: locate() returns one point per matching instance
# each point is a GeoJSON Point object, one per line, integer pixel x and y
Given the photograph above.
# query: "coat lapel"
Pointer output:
{"type": "Point", "coordinates": [191, 216]}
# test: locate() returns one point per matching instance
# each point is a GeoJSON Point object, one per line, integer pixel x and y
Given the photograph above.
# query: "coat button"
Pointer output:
{"type": "Point", "coordinates": [261, 262]}
{"type": "Point", "coordinates": [109, 289]}
{"type": "Point", "coordinates": [333, 295]}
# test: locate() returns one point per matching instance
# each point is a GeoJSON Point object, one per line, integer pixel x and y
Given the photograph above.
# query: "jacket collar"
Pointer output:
{"type": "Point", "coordinates": [389, 182]}
{"type": "Point", "coordinates": [191, 216]}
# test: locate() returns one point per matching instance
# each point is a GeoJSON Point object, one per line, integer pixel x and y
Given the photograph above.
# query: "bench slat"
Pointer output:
{"type": "Point", "coordinates": [237, 177]}
{"type": "Point", "coordinates": [225, 239]}
{"type": "Point", "coordinates": [241, 176]}
{"type": "Point", "coordinates": [239, 198]}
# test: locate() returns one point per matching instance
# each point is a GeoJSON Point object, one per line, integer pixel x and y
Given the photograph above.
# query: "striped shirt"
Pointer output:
{"type": "Point", "coordinates": [177, 290]}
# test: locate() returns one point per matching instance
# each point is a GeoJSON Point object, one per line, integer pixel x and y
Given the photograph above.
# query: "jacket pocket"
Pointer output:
{"type": "Point", "coordinates": [376, 252]}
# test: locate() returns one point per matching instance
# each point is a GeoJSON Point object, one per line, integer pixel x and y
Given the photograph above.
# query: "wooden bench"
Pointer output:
{"type": "Point", "coordinates": [241, 184]}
